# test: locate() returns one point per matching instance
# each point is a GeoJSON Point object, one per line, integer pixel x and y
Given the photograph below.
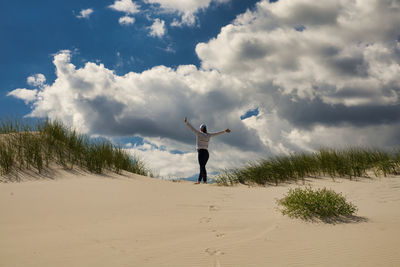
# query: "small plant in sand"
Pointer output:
{"type": "Point", "coordinates": [309, 204]}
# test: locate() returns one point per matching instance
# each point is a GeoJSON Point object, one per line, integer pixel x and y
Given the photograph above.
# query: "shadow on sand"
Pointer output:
{"type": "Point", "coordinates": [49, 173]}
{"type": "Point", "coordinates": [342, 219]}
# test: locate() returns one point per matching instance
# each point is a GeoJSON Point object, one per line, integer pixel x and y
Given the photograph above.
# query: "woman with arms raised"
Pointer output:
{"type": "Point", "coordinates": [202, 147]}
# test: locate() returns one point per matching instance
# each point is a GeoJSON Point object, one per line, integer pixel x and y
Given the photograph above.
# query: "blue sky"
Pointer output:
{"type": "Point", "coordinates": [285, 76]}
{"type": "Point", "coordinates": [32, 31]}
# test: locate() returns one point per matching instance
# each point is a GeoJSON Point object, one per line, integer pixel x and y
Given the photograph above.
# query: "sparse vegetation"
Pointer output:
{"type": "Point", "coordinates": [351, 162]}
{"type": "Point", "coordinates": [36, 145]}
{"type": "Point", "coordinates": [309, 204]}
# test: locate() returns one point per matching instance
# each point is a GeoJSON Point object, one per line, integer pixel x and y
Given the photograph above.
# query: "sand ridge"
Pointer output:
{"type": "Point", "coordinates": [88, 220]}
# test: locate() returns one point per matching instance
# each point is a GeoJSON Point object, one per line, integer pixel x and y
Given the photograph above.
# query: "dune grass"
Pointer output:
{"type": "Point", "coordinates": [349, 163]}
{"type": "Point", "coordinates": [36, 145]}
{"type": "Point", "coordinates": [309, 204]}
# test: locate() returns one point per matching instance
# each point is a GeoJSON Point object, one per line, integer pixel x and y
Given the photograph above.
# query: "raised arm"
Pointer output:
{"type": "Point", "coordinates": [219, 133]}
{"type": "Point", "coordinates": [191, 127]}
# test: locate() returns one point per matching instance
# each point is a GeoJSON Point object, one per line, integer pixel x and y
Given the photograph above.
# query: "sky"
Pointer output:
{"type": "Point", "coordinates": [285, 76]}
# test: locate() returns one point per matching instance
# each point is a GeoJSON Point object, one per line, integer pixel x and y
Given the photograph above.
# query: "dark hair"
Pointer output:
{"type": "Point", "coordinates": [204, 129]}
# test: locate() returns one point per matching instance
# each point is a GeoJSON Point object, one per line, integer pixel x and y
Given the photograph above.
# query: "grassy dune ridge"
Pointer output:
{"type": "Point", "coordinates": [35, 145]}
{"type": "Point", "coordinates": [350, 162]}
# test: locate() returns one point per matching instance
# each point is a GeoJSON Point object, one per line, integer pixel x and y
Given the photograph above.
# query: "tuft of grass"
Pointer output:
{"type": "Point", "coordinates": [349, 163]}
{"type": "Point", "coordinates": [6, 158]}
{"type": "Point", "coordinates": [309, 204]}
{"type": "Point", "coordinates": [36, 145]}
{"type": "Point", "coordinates": [227, 178]}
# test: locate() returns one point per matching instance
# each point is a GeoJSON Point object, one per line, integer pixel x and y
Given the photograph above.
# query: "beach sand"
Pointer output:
{"type": "Point", "coordinates": [80, 219]}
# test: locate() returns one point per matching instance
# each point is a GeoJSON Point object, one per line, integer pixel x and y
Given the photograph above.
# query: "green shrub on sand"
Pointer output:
{"type": "Point", "coordinates": [309, 204]}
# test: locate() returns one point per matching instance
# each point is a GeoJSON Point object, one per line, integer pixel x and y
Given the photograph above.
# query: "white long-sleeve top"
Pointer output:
{"type": "Point", "coordinates": [202, 138]}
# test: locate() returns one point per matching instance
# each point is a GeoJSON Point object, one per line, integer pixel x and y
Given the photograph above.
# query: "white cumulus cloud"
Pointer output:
{"type": "Point", "coordinates": [335, 57]}
{"type": "Point", "coordinates": [36, 80]}
{"type": "Point", "coordinates": [24, 94]}
{"type": "Point", "coordinates": [158, 28]}
{"type": "Point", "coordinates": [126, 6]}
{"type": "Point", "coordinates": [85, 13]}
{"type": "Point", "coordinates": [126, 20]}
{"type": "Point", "coordinates": [185, 8]}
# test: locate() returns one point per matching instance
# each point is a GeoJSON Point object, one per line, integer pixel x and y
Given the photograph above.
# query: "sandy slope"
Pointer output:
{"type": "Point", "coordinates": [87, 220]}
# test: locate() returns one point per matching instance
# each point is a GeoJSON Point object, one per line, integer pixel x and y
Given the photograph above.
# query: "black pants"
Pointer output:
{"type": "Point", "coordinates": [203, 158]}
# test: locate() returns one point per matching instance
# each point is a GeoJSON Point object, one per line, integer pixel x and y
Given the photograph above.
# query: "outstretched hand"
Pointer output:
{"type": "Point", "coordinates": [228, 130]}
{"type": "Point", "coordinates": [185, 119]}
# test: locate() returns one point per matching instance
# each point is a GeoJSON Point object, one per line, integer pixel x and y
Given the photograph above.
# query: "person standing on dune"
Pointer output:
{"type": "Point", "coordinates": [202, 147]}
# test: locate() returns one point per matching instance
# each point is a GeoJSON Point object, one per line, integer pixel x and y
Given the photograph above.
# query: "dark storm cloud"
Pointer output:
{"type": "Point", "coordinates": [313, 14]}
{"type": "Point", "coordinates": [306, 113]}
{"type": "Point", "coordinates": [328, 51]}
{"type": "Point", "coordinates": [253, 50]}
{"type": "Point", "coordinates": [107, 116]}
{"type": "Point", "coordinates": [349, 66]}
{"type": "Point", "coordinates": [101, 113]}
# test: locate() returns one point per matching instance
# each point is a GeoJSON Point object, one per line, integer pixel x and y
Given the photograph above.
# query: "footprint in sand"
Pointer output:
{"type": "Point", "coordinates": [220, 235]}
{"type": "Point", "coordinates": [213, 208]}
{"type": "Point", "coordinates": [214, 252]}
{"type": "Point", "coordinates": [205, 220]}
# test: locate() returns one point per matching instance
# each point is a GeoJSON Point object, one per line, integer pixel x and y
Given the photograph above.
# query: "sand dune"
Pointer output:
{"type": "Point", "coordinates": [88, 220]}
